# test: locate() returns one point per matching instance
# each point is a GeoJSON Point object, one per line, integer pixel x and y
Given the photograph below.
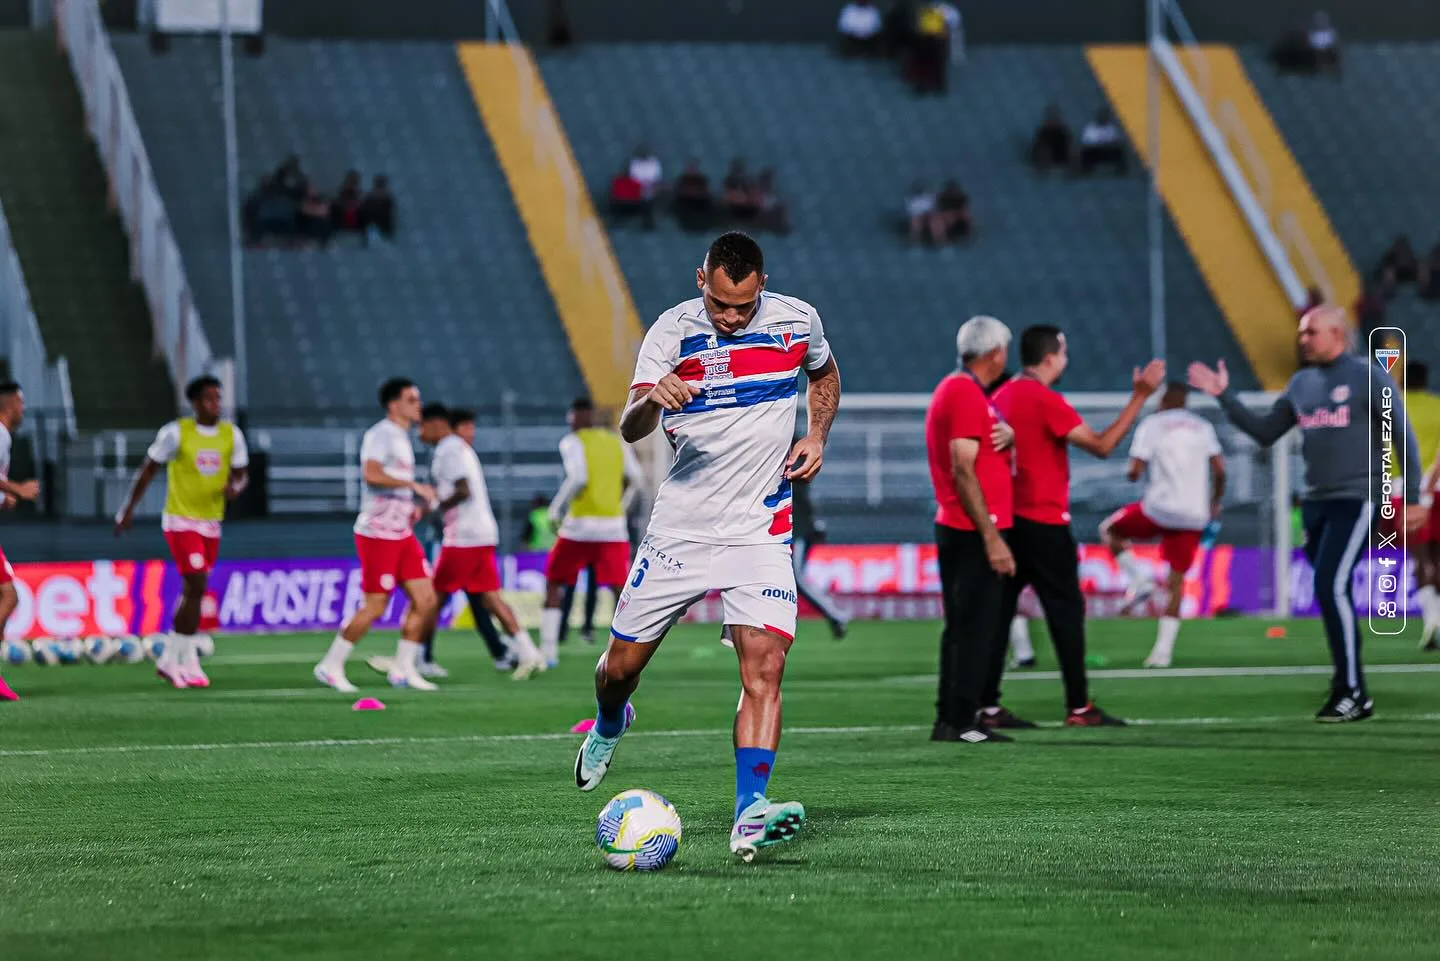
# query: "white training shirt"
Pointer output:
{"type": "Point", "coordinates": [1176, 447]}
{"type": "Point", "coordinates": [163, 449]}
{"type": "Point", "coordinates": [5, 444]}
{"type": "Point", "coordinates": [386, 512]}
{"type": "Point", "coordinates": [603, 530]}
{"type": "Point", "coordinates": [469, 523]}
{"type": "Point", "coordinates": [726, 485]}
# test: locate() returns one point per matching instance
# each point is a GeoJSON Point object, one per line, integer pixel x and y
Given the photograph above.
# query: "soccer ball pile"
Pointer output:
{"type": "Point", "coordinates": [127, 649]}
{"type": "Point", "coordinates": [638, 831]}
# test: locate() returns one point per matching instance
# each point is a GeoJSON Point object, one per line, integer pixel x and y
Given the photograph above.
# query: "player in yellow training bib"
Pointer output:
{"type": "Point", "coordinates": [206, 464]}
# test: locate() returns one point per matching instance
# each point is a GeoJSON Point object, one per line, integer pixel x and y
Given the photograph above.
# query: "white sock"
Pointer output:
{"type": "Point", "coordinates": [523, 646]}
{"type": "Point", "coordinates": [1429, 607]}
{"type": "Point", "coordinates": [185, 654]}
{"type": "Point", "coordinates": [1165, 636]}
{"type": "Point", "coordinates": [407, 656]}
{"type": "Point", "coordinates": [334, 659]}
{"type": "Point", "coordinates": [1127, 562]}
{"type": "Point", "coordinates": [550, 633]}
{"type": "Point", "coordinates": [174, 655]}
{"type": "Point", "coordinates": [1020, 644]}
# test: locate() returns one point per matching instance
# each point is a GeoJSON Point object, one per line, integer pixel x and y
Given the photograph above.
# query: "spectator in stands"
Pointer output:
{"type": "Point", "coordinates": [738, 193]}
{"type": "Point", "coordinates": [290, 178]}
{"type": "Point", "coordinates": [377, 210]}
{"type": "Point", "coordinates": [628, 199]}
{"type": "Point", "coordinates": [1369, 309]}
{"type": "Point", "coordinates": [558, 32]}
{"type": "Point", "coordinates": [861, 26]}
{"type": "Point", "coordinates": [1101, 145]}
{"type": "Point", "coordinates": [774, 215]}
{"type": "Point", "coordinates": [646, 170]}
{"type": "Point", "coordinates": [694, 207]}
{"type": "Point", "coordinates": [1053, 142]}
{"type": "Point", "coordinates": [1398, 265]}
{"type": "Point", "coordinates": [1314, 49]}
{"type": "Point", "coordinates": [899, 29]}
{"type": "Point", "coordinates": [1428, 276]}
{"type": "Point", "coordinates": [346, 206]}
{"type": "Point", "coordinates": [314, 218]}
{"type": "Point", "coordinates": [952, 212]}
{"type": "Point", "coordinates": [930, 51]}
{"type": "Point", "coordinates": [919, 209]}
{"type": "Point", "coordinates": [276, 213]}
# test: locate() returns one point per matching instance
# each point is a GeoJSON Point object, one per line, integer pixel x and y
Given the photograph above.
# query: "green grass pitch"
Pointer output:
{"type": "Point", "coordinates": [264, 819]}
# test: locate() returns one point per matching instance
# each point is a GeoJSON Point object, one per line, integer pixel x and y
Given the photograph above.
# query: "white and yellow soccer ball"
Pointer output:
{"type": "Point", "coordinates": [129, 649]}
{"type": "Point", "coordinates": [638, 831]}
{"type": "Point", "coordinates": [99, 649]}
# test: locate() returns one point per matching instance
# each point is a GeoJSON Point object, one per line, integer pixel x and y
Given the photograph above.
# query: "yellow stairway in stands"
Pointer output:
{"type": "Point", "coordinates": [1234, 267]}
{"type": "Point", "coordinates": [570, 242]}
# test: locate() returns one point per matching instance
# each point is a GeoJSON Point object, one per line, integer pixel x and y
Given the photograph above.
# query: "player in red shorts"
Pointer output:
{"type": "Point", "coordinates": [206, 464]}
{"type": "Point", "coordinates": [598, 470]}
{"type": "Point", "coordinates": [1185, 472]}
{"type": "Point", "coordinates": [12, 412]}
{"type": "Point", "coordinates": [390, 554]}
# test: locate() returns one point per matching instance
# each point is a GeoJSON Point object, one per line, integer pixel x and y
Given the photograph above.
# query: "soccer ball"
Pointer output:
{"type": "Point", "coordinates": [129, 649]}
{"type": "Point", "coordinates": [638, 831]}
{"type": "Point", "coordinates": [100, 649]}
{"type": "Point", "coordinates": [45, 650]}
{"type": "Point", "coordinates": [17, 652]}
{"type": "Point", "coordinates": [69, 650]}
{"type": "Point", "coordinates": [155, 646]}
{"type": "Point", "coordinates": [204, 645]}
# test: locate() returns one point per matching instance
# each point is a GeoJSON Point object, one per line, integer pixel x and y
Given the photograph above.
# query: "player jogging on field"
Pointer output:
{"type": "Point", "coordinates": [390, 554]}
{"type": "Point", "coordinates": [1331, 401]}
{"type": "Point", "coordinates": [206, 464]}
{"type": "Point", "coordinates": [1423, 408]}
{"type": "Point", "coordinates": [592, 501]}
{"type": "Point", "coordinates": [718, 374]}
{"type": "Point", "coordinates": [1180, 456]}
{"type": "Point", "coordinates": [12, 413]}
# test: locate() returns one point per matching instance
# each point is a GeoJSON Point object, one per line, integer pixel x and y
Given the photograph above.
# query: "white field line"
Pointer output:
{"type": "Point", "coordinates": [328, 743]}
{"type": "Point", "coordinates": [1152, 673]}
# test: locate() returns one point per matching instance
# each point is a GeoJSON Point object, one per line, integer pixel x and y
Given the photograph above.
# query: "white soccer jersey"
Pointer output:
{"type": "Point", "coordinates": [470, 523]}
{"type": "Point", "coordinates": [385, 512]}
{"type": "Point", "coordinates": [1176, 447]}
{"type": "Point", "coordinates": [6, 442]}
{"type": "Point", "coordinates": [727, 485]}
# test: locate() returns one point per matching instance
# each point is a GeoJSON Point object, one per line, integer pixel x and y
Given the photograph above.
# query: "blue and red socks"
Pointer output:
{"type": "Point", "coordinates": [752, 775]}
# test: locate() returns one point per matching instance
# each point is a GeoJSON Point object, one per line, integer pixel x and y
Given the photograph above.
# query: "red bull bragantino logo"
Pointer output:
{"type": "Point", "coordinates": [1323, 417]}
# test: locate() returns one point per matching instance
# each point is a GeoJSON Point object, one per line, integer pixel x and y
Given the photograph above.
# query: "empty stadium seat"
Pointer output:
{"type": "Point", "coordinates": [458, 303]}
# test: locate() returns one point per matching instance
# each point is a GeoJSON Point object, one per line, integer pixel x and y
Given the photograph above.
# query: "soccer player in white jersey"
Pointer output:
{"type": "Point", "coordinates": [390, 554]}
{"type": "Point", "coordinates": [12, 413]}
{"type": "Point", "coordinates": [1185, 471]}
{"type": "Point", "coordinates": [718, 375]}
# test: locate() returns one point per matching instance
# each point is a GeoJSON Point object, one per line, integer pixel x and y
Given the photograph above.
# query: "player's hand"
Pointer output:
{"type": "Point", "coordinates": [1212, 382]}
{"type": "Point", "coordinates": [27, 490]}
{"type": "Point", "coordinates": [425, 492]}
{"type": "Point", "coordinates": [416, 512]}
{"type": "Point", "coordinates": [1147, 380]}
{"type": "Point", "coordinates": [123, 520]}
{"type": "Point", "coordinates": [8, 503]}
{"type": "Point", "coordinates": [997, 552]}
{"type": "Point", "coordinates": [672, 393]}
{"type": "Point", "coordinates": [1215, 511]}
{"type": "Point", "coordinates": [1415, 517]}
{"type": "Point", "coordinates": [1002, 435]}
{"type": "Point", "coordinates": [805, 459]}
{"type": "Point", "coordinates": [233, 490]}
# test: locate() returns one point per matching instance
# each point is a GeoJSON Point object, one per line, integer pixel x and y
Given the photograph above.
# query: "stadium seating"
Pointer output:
{"type": "Point", "coordinates": [72, 249]}
{"type": "Point", "coordinates": [848, 139]}
{"type": "Point", "coordinates": [458, 303]}
{"type": "Point", "coordinates": [1368, 148]}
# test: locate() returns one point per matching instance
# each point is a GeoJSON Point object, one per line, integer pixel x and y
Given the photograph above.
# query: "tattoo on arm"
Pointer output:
{"type": "Point", "coordinates": [823, 399]}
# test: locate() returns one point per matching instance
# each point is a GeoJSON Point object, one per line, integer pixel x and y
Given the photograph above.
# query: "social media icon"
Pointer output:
{"type": "Point", "coordinates": [1386, 583]}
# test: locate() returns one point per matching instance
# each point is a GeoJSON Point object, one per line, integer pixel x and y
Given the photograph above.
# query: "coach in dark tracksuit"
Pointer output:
{"type": "Point", "coordinates": [1335, 402]}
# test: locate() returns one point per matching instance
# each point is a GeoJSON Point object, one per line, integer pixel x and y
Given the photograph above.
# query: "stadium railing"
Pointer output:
{"type": "Point", "coordinates": [154, 255]}
{"type": "Point", "coordinates": [47, 385]}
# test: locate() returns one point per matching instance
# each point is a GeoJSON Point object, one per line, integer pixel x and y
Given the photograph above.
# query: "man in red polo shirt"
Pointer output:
{"type": "Point", "coordinates": [1046, 555]}
{"type": "Point", "coordinates": [970, 466]}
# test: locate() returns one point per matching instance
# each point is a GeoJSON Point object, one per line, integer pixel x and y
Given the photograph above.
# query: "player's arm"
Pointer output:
{"type": "Point", "coordinates": [1144, 383]}
{"type": "Point", "coordinates": [655, 388]}
{"type": "Point", "coordinates": [1265, 429]}
{"type": "Point", "coordinates": [460, 495]}
{"type": "Point", "coordinates": [572, 455]}
{"type": "Point", "coordinates": [162, 450]}
{"type": "Point", "coordinates": [822, 402]}
{"type": "Point", "coordinates": [1136, 470]}
{"type": "Point", "coordinates": [239, 478]}
{"type": "Point", "coordinates": [1217, 483]}
{"type": "Point", "coordinates": [963, 453]}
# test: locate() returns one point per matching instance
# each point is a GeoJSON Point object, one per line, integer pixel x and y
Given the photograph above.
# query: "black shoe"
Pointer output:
{"type": "Point", "coordinates": [1025, 662]}
{"type": "Point", "coordinates": [1003, 718]}
{"type": "Point", "coordinates": [1091, 716]}
{"type": "Point", "coordinates": [838, 629]}
{"type": "Point", "coordinates": [1431, 643]}
{"type": "Point", "coordinates": [967, 735]}
{"type": "Point", "coordinates": [1346, 706]}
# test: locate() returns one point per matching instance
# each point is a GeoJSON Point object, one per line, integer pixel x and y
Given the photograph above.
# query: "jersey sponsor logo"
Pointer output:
{"type": "Point", "coordinates": [779, 593]}
{"type": "Point", "coordinates": [652, 553]}
{"type": "Point", "coordinates": [1340, 394]}
{"type": "Point", "coordinates": [1326, 418]}
{"type": "Point", "coordinates": [207, 462]}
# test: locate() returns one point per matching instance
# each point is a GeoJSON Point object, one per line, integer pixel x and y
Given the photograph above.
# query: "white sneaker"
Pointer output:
{"type": "Point", "coordinates": [194, 676]}
{"type": "Point", "coordinates": [1157, 659]}
{"type": "Point", "coordinates": [764, 824]}
{"type": "Point", "coordinates": [533, 664]}
{"type": "Point", "coordinates": [335, 679]}
{"type": "Point", "coordinates": [431, 669]}
{"type": "Point", "coordinates": [410, 679]}
{"type": "Point", "coordinates": [170, 673]}
{"type": "Point", "coordinates": [507, 663]}
{"type": "Point", "coordinates": [380, 663]}
{"type": "Point", "coordinates": [596, 753]}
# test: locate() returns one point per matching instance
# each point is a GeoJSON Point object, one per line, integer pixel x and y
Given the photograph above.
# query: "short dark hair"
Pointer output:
{"type": "Point", "coordinates": [1177, 391]}
{"type": "Point", "coordinates": [9, 388]}
{"type": "Point", "coordinates": [738, 254]}
{"type": "Point", "coordinates": [582, 403]}
{"type": "Point", "coordinates": [1417, 376]}
{"type": "Point", "coordinates": [194, 388]}
{"type": "Point", "coordinates": [393, 388]}
{"type": "Point", "coordinates": [435, 411]}
{"type": "Point", "coordinates": [1037, 342]}
{"type": "Point", "coordinates": [461, 415]}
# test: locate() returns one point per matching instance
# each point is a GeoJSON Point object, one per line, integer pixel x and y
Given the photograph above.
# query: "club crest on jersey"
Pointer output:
{"type": "Point", "coordinates": [1386, 357]}
{"type": "Point", "coordinates": [782, 335]}
{"type": "Point", "coordinates": [207, 462]}
{"type": "Point", "coordinates": [1340, 394]}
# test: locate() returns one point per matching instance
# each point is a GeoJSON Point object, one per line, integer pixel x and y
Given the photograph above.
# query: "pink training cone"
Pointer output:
{"type": "Point", "coordinates": [368, 704]}
{"type": "Point", "coordinates": [583, 727]}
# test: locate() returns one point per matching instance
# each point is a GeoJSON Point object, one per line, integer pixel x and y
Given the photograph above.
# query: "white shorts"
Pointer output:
{"type": "Point", "coordinates": [756, 584]}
